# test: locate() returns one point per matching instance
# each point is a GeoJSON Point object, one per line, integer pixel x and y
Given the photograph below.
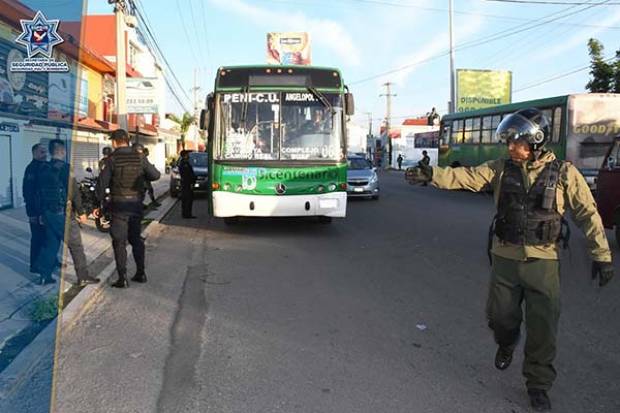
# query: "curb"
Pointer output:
{"type": "Point", "coordinates": [24, 364]}
{"type": "Point", "coordinates": [88, 295]}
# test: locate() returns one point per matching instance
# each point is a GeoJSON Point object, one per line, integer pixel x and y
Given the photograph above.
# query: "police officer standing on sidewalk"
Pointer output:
{"type": "Point", "coordinates": [123, 176]}
{"type": "Point", "coordinates": [33, 202]}
{"type": "Point", "coordinates": [532, 190]}
{"type": "Point", "coordinates": [188, 178]}
{"type": "Point", "coordinates": [61, 210]}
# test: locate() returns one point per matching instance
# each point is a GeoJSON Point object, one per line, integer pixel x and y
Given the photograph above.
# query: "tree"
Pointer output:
{"type": "Point", "coordinates": [185, 122]}
{"type": "Point", "coordinates": [602, 73]}
{"type": "Point", "coordinates": [617, 73]}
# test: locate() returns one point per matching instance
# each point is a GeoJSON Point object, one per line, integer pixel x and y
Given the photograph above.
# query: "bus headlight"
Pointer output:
{"type": "Point", "coordinates": [331, 187]}
{"type": "Point", "coordinates": [226, 187]}
{"type": "Point", "coordinates": [320, 188]}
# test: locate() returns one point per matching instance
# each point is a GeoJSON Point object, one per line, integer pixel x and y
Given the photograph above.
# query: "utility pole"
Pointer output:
{"type": "Point", "coordinates": [120, 7]}
{"type": "Point", "coordinates": [388, 118]}
{"type": "Point", "coordinates": [370, 142]}
{"type": "Point", "coordinates": [195, 90]}
{"type": "Point", "coordinates": [452, 103]}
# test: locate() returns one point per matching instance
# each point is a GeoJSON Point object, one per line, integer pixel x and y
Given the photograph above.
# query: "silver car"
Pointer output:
{"type": "Point", "coordinates": [362, 179]}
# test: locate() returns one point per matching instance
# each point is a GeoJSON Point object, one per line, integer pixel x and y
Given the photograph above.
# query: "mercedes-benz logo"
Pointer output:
{"type": "Point", "coordinates": [280, 189]}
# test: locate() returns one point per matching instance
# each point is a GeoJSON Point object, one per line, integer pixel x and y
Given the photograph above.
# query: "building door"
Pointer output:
{"type": "Point", "coordinates": [6, 177]}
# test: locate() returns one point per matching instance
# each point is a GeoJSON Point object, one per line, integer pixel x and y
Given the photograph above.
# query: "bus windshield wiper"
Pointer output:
{"type": "Point", "coordinates": [244, 105]}
{"type": "Point", "coordinates": [321, 97]}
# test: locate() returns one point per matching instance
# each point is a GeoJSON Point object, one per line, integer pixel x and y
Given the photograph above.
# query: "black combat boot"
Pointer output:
{"type": "Point", "coordinates": [503, 358]}
{"type": "Point", "coordinates": [140, 277]}
{"type": "Point", "coordinates": [82, 282]}
{"type": "Point", "coordinates": [539, 400]}
{"type": "Point", "coordinates": [121, 283]}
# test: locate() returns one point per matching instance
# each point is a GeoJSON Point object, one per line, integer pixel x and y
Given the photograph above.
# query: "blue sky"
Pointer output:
{"type": "Point", "coordinates": [365, 38]}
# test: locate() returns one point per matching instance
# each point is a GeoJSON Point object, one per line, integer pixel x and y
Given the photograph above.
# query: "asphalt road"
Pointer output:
{"type": "Point", "coordinates": [380, 312]}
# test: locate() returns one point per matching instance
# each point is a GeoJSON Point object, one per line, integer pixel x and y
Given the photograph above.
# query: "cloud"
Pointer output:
{"type": "Point", "coordinates": [326, 33]}
{"type": "Point", "coordinates": [580, 38]}
{"type": "Point", "coordinates": [438, 46]}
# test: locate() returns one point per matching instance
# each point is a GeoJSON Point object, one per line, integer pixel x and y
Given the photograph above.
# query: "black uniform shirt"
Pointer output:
{"type": "Point", "coordinates": [29, 188]}
{"type": "Point", "coordinates": [188, 178]}
{"type": "Point", "coordinates": [105, 181]}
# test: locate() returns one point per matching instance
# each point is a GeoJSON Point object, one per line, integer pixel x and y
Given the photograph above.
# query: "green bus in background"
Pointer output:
{"type": "Point", "coordinates": [277, 142]}
{"type": "Point", "coordinates": [582, 127]}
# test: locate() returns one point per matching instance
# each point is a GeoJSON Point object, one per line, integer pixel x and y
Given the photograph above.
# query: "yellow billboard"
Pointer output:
{"type": "Point", "coordinates": [288, 48]}
{"type": "Point", "coordinates": [477, 89]}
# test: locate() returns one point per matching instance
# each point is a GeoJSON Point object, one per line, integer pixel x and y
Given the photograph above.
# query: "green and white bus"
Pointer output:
{"type": "Point", "coordinates": [277, 142]}
{"type": "Point", "coordinates": [582, 127]}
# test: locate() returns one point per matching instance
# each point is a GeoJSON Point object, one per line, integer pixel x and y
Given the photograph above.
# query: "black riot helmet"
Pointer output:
{"type": "Point", "coordinates": [528, 125]}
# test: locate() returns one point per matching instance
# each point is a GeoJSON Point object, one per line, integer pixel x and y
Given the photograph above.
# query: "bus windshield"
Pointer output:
{"type": "Point", "coordinates": [280, 126]}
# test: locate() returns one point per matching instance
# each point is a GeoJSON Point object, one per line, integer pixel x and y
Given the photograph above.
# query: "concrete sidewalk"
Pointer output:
{"type": "Point", "coordinates": [18, 287]}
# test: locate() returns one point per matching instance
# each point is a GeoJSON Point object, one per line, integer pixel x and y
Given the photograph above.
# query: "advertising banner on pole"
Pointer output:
{"type": "Point", "coordinates": [288, 48]}
{"type": "Point", "coordinates": [478, 89]}
{"type": "Point", "coordinates": [142, 95]}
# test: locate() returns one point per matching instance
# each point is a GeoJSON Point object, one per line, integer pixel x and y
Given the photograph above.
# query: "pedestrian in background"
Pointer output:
{"type": "Point", "coordinates": [188, 179]}
{"type": "Point", "coordinates": [33, 202]}
{"type": "Point", "coordinates": [425, 163]}
{"type": "Point", "coordinates": [400, 161]}
{"type": "Point", "coordinates": [532, 191]}
{"type": "Point", "coordinates": [123, 176]}
{"type": "Point", "coordinates": [61, 210]}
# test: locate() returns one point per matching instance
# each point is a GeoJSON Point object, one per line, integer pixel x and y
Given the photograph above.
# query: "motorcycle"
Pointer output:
{"type": "Point", "coordinates": [88, 192]}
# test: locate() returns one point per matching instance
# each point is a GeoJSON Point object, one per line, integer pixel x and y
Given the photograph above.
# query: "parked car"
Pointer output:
{"type": "Point", "coordinates": [199, 161]}
{"type": "Point", "coordinates": [362, 179]}
{"type": "Point", "coordinates": [608, 189]}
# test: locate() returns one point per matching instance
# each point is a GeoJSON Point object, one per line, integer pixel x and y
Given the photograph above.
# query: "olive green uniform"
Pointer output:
{"type": "Point", "coordinates": [530, 272]}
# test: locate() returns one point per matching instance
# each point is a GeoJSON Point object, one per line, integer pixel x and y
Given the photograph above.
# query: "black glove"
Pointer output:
{"type": "Point", "coordinates": [604, 271]}
{"type": "Point", "coordinates": [419, 174]}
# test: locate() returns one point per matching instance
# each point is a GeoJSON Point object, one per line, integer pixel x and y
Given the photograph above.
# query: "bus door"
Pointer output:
{"type": "Point", "coordinates": [608, 188]}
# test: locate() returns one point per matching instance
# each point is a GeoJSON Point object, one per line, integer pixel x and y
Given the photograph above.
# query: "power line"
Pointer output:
{"type": "Point", "coordinates": [154, 46]}
{"type": "Point", "coordinates": [474, 43]}
{"type": "Point", "coordinates": [559, 76]}
{"type": "Point", "coordinates": [189, 42]}
{"type": "Point", "coordinates": [557, 3]}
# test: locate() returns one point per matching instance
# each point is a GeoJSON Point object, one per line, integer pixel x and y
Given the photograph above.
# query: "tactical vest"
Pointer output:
{"type": "Point", "coordinates": [52, 186]}
{"type": "Point", "coordinates": [529, 217]}
{"type": "Point", "coordinates": [127, 175]}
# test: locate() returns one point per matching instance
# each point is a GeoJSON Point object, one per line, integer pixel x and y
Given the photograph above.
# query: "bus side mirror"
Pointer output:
{"type": "Point", "coordinates": [349, 103]}
{"type": "Point", "coordinates": [204, 119]}
{"type": "Point", "coordinates": [611, 162]}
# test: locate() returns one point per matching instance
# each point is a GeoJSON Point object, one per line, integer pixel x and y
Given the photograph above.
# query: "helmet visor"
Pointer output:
{"type": "Point", "coordinates": [515, 127]}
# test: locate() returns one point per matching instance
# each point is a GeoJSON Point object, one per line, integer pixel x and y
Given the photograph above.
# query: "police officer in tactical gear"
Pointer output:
{"type": "Point", "coordinates": [33, 202]}
{"type": "Point", "coordinates": [58, 193]}
{"type": "Point", "coordinates": [188, 179]}
{"type": "Point", "coordinates": [148, 186]}
{"type": "Point", "coordinates": [106, 152]}
{"type": "Point", "coordinates": [532, 191]}
{"type": "Point", "coordinates": [123, 175]}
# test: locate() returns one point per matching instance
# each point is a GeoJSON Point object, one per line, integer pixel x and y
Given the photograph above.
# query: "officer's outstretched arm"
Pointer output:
{"type": "Point", "coordinates": [150, 172]}
{"type": "Point", "coordinates": [470, 178]}
{"type": "Point", "coordinates": [582, 206]}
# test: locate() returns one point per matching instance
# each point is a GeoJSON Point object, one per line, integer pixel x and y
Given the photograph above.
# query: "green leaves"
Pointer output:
{"type": "Point", "coordinates": [605, 74]}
